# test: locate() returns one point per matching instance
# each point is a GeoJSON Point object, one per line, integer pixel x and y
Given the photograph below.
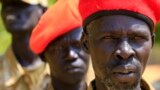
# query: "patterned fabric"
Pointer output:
{"type": "Point", "coordinates": [32, 2]}
{"type": "Point", "coordinates": [14, 77]}
{"type": "Point", "coordinates": [49, 86]}
{"type": "Point", "coordinates": [144, 85]}
{"type": "Point", "coordinates": [41, 2]}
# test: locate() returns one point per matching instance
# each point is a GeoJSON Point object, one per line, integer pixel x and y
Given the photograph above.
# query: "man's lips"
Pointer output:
{"type": "Point", "coordinates": [73, 69]}
{"type": "Point", "coordinates": [124, 73]}
{"type": "Point", "coordinates": [74, 65]}
{"type": "Point", "coordinates": [69, 67]}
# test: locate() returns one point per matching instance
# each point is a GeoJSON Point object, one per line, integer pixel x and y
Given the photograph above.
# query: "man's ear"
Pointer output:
{"type": "Point", "coordinates": [84, 42]}
{"type": "Point", "coordinates": [153, 39]}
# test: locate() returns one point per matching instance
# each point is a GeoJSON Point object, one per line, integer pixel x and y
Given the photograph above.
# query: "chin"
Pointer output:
{"type": "Point", "coordinates": [73, 80]}
{"type": "Point", "coordinates": [127, 86]}
{"type": "Point", "coordinates": [76, 77]}
{"type": "Point", "coordinates": [116, 85]}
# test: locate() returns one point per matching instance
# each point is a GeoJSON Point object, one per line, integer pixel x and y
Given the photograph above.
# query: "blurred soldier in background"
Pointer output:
{"type": "Point", "coordinates": [22, 69]}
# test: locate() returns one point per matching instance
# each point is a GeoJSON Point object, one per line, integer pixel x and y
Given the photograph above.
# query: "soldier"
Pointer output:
{"type": "Point", "coordinates": [119, 36]}
{"type": "Point", "coordinates": [23, 70]}
{"type": "Point", "coordinates": [56, 39]}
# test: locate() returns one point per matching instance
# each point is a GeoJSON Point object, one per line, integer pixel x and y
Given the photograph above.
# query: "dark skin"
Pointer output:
{"type": "Point", "coordinates": [19, 19]}
{"type": "Point", "coordinates": [119, 46]}
{"type": "Point", "coordinates": [68, 62]}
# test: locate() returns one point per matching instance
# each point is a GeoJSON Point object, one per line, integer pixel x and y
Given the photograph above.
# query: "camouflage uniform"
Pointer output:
{"type": "Point", "coordinates": [32, 2]}
{"type": "Point", "coordinates": [15, 77]}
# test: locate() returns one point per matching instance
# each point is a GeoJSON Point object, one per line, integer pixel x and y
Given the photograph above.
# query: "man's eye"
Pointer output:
{"type": "Point", "coordinates": [110, 37]}
{"type": "Point", "coordinates": [137, 38]}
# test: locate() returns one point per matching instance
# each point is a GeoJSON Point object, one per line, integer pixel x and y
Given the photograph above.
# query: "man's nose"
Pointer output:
{"type": "Point", "coordinates": [72, 54]}
{"type": "Point", "coordinates": [124, 51]}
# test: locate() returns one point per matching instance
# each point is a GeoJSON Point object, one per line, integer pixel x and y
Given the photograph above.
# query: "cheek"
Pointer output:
{"type": "Point", "coordinates": [85, 56]}
{"type": "Point", "coordinates": [53, 59]}
{"type": "Point", "coordinates": [33, 18]}
{"type": "Point", "coordinates": [101, 51]}
{"type": "Point", "coordinates": [143, 54]}
{"type": "Point", "coordinates": [101, 55]}
{"type": "Point", "coordinates": [36, 15]}
{"type": "Point", "coordinates": [55, 65]}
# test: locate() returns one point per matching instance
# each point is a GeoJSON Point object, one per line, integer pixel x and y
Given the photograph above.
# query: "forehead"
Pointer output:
{"type": "Point", "coordinates": [70, 37]}
{"type": "Point", "coordinates": [117, 23]}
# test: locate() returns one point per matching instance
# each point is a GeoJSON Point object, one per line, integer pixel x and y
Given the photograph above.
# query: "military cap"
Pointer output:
{"type": "Point", "coordinates": [58, 20]}
{"type": "Point", "coordinates": [146, 10]}
{"type": "Point", "coordinates": [32, 2]}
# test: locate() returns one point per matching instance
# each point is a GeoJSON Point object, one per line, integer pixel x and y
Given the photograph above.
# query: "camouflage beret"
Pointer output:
{"type": "Point", "coordinates": [32, 2]}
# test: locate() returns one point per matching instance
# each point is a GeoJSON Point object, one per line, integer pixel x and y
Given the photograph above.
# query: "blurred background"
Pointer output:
{"type": "Point", "coordinates": [155, 57]}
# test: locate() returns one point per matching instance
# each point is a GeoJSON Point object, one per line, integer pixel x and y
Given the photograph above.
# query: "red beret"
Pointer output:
{"type": "Point", "coordinates": [147, 10]}
{"type": "Point", "coordinates": [59, 19]}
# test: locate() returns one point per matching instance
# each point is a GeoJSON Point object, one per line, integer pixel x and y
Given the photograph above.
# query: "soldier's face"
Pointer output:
{"type": "Point", "coordinates": [119, 47]}
{"type": "Point", "coordinates": [68, 62]}
{"type": "Point", "coordinates": [19, 17]}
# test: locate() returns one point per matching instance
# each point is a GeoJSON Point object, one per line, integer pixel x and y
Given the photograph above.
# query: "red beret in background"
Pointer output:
{"type": "Point", "coordinates": [59, 19]}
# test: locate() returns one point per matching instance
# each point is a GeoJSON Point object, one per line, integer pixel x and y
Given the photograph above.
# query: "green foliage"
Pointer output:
{"type": "Point", "coordinates": [5, 37]}
{"type": "Point", "coordinates": [51, 2]}
{"type": "Point", "coordinates": [158, 34]}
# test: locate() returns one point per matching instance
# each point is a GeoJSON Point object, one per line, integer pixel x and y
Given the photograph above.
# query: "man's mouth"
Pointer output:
{"type": "Point", "coordinates": [74, 65]}
{"type": "Point", "coordinates": [124, 74]}
{"type": "Point", "coordinates": [125, 71]}
{"type": "Point", "coordinates": [73, 69]}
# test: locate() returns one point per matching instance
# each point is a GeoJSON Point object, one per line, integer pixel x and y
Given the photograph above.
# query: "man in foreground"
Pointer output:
{"type": "Point", "coordinates": [119, 36]}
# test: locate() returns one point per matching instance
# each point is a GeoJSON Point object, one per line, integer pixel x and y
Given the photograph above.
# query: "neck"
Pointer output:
{"type": "Point", "coordinates": [100, 86]}
{"type": "Point", "coordinates": [60, 85]}
{"type": "Point", "coordinates": [21, 49]}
